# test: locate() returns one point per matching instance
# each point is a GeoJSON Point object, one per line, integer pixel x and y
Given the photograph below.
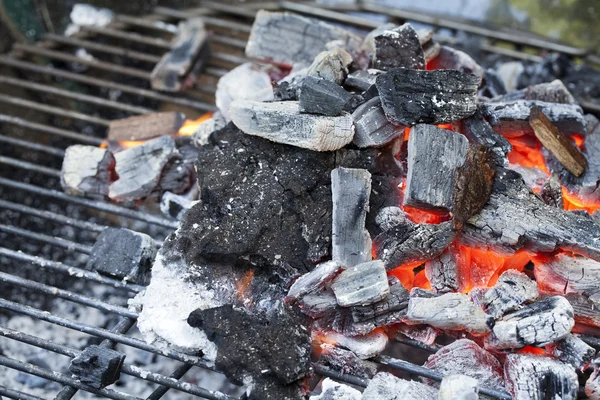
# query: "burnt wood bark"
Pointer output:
{"type": "Point", "coordinates": [320, 96]}
{"type": "Point", "coordinates": [398, 48]}
{"type": "Point", "coordinates": [372, 127]}
{"type": "Point", "coordinates": [331, 65]}
{"type": "Point", "coordinates": [512, 289]}
{"type": "Point", "coordinates": [449, 58]}
{"type": "Point", "coordinates": [97, 366]}
{"type": "Point", "coordinates": [87, 170]}
{"type": "Point", "coordinates": [385, 386]}
{"type": "Point", "coordinates": [361, 284]}
{"type": "Point", "coordinates": [147, 126]}
{"type": "Point", "coordinates": [566, 274]}
{"type": "Point", "coordinates": [572, 350]}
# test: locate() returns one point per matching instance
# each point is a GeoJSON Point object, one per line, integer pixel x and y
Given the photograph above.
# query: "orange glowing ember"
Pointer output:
{"type": "Point", "coordinates": [531, 350]}
{"type": "Point", "coordinates": [525, 155]}
{"type": "Point", "coordinates": [405, 275]}
{"type": "Point", "coordinates": [419, 216]}
{"type": "Point", "coordinates": [572, 202]}
{"type": "Point", "coordinates": [243, 284]}
{"type": "Point", "coordinates": [190, 126]}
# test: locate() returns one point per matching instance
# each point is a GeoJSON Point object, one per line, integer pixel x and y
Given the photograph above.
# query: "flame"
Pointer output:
{"type": "Point", "coordinates": [127, 144]}
{"type": "Point", "coordinates": [579, 140]}
{"type": "Point", "coordinates": [419, 216]}
{"type": "Point", "coordinates": [525, 155]}
{"type": "Point", "coordinates": [421, 281]}
{"type": "Point", "coordinates": [531, 350]}
{"type": "Point", "coordinates": [189, 126]}
{"type": "Point", "coordinates": [572, 202]}
{"type": "Point", "coordinates": [405, 275]}
{"type": "Point", "coordinates": [243, 284]}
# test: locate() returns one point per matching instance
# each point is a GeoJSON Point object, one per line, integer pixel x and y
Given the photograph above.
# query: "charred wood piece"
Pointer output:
{"type": "Point", "coordinates": [572, 350]}
{"type": "Point", "coordinates": [178, 68]}
{"type": "Point", "coordinates": [97, 366]}
{"type": "Point", "coordinates": [361, 284]}
{"type": "Point", "coordinates": [434, 155]}
{"type": "Point", "coordinates": [362, 79]}
{"type": "Point", "coordinates": [586, 307]}
{"type": "Point", "coordinates": [318, 304]}
{"type": "Point", "coordinates": [398, 48]}
{"type": "Point", "coordinates": [365, 347]}
{"type": "Point", "coordinates": [177, 177]}
{"type": "Point", "coordinates": [551, 92]}
{"type": "Point", "coordinates": [87, 170]}
{"type": "Point", "coordinates": [204, 129]}
{"type": "Point", "coordinates": [346, 362]}
{"type": "Point", "coordinates": [552, 194]}
{"type": "Point", "coordinates": [459, 387]}
{"type": "Point", "coordinates": [282, 122]}
{"type": "Point", "coordinates": [567, 274]}
{"type": "Point", "coordinates": [449, 58]}
{"type": "Point", "coordinates": [314, 280]}
{"type": "Point", "coordinates": [385, 386]}
{"type": "Point", "coordinates": [331, 66]}
{"type": "Point", "coordinates": [391, 216]}
{"type": "Point", "coordinates": [320, 96]}
{"type": "Point", "coordinates": [492, 86]}
{"type": "Point", "coordinates": [512, 289]}
{"type": "Point", "coordinates": [536, 377]}
{"type": "Point", "coordinates": [431, 49]}
{"type": "Point", "coordinates": [351, 190]}
{"type": "Point", "coordinates": [396, 300]}
{"type": "Point", "coordinates": [148, 126]}
{"type": "Point", "coordinates": [123, 254]}
{"type": "Point", "coordinates": [332, 390]}
{"type": "Point", "coordinates": [443, 272]}
{"type": "Point", "coordinates": [434, 97]}
{"type": "Point", "coordinates": [372, 127]}
{"type": "Point", "coordinates": [422, 333]}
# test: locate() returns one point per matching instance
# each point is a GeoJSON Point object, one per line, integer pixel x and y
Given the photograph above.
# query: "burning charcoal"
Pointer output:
{"type": "Point", "coordinates": [567, 274]}
{"type": "Point", "coordinates": [284, 38]}
{"type": "Point", "coordinates": [316, 305]}
{"type": "Point", "coordinates": [385, 386]}
{"type": "Point", "coordinates": [555, 141]}
{"type": "Point", "coordinates": [536, 324]}
{"type": "Point", "coordinates": [282, 122]}
{"type": "Point", "coordinates": [408, 243]}
{"type": "Point", "coordinates": [361, 284]}
{"type": "Point", "coordinates": [331, 390]}
{"type": "Point", "coordinates": [176, 70]}
{"type": "Point", "coordinates": [331, 65]}
{"type": "Point", "coordinates": [512, 289]}
{"type": "Point", "coordinates": [478, 131]}
{"type": "Point", "coordinates": [431, 49]}
{"type": "Point", "coordinates": [398, 47]}
{"type": "Point", "coordinates": [397, 300]}
{"type": "Point", "coordinates": [204, 129]}
{"type": "Point", "coordinates": [320, 96]}
{"type": "Point", "coordinates": [97, 366]}
{"type": "Point", "coordinates": [87, 170]}
{"type": "Point", "coordinates": [368, 44]}
{"type": "Point", "coordinates": [389, 217]}
{"type": "Point", "coordinates": [434, 155]}
{"type": "Point", "coordinates": [511, 119]}
{"type": "Point", "coordinates": [493, 86]}
{"type": "Point", "coordinates": [572, 350]}
{"type": "Point", "coordinates": [434, 97]}
{"type": "Point", "coordinates": [443, 272]}
{"type": "Point", "coordinates": [465, 357]}
{"type": "Point", "coordinates": [448, 311]}
{"type": "Point", "coordinates": [174, 205]}
{"type": "Point", "coordinates": [449, 58]}
{"type": "Point", "coordinates": [178, 176]}
{"type": "Point", "coordinates": [422, 333]}
{"type": "Point", "coordinates": [147, 126]}
{"type": "Point", "coordinates": [313, 280]}
{"type": "Point", "coordinates": [139, 168]}
{"type": "Point", "coordinates": [372, 127]}
{"type": "Point", "coordinates": [551, 92]}
{"type": "Point", "coordinates": [536, 377]}
{"type": "Point", "coordinates": [551, 193]}
{"type": "Point", "coordinates": [459, 387]}
{"type": "Point", "coordinates": [365, 347]}
{"type": "Point", "coordinates": [123, 254]}
{"type": "Point", "coordinates": [592, 385]}
{"type": "Point", "coordinates": [346, 362]}
{"type": "Point", "coordinates": [362, 79]}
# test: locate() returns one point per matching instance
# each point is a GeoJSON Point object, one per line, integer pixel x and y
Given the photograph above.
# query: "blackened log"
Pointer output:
{"type": "Point", "coordinates": [385, 386]}
{"type": "Point", "coordinates": [361, 284]}
{"type": "Point", "coordinates": [365, 347]}
{"type": "Point", "coordinates": [362, 79]}
{"type": "Point", "coordinates": [372, 127]}
{"type": "Point", "coordinates": [314, 280]}
{"type": "Point", "coordinates": [443, 272]}
{"type": "Point", "coordinates": [320, 96]}
{"type": "Point", "coordinates": [396, 300]}
{"type": "Point", "coordinates": [408, 243]}
{"type": "Point", "coordinates": [434, 97]}
{"type": "Point", "coordinates": [331, 65]}
{"type": "Point", "coordinates": [537, 324]}
{"type": "Point", "coordinates": [431, 49]}
{"type": "Point", "coordinates": [87, 170]}
{"type": "Point", "coordinates": [391, 216]}
{"type": "Point", "coordinates": [398, 48]}
{"type": "Point", "coordinates": [318, 304]}
{"type": "Point", "coordinates": [97, 366]}
{"type": "Point", "coordinates": [449, 58]}
{"type": "Point", "coordinates": [572, 350]}
{"type": "Point", "coordinates": [139, 168]}
{"type": "Point", "coordinates": [282, 122]}
{"type": "Point", "coordinates": [434, 154]}
{"type": "Point", "coordinates": [551, 192]}
{"type": "Point", "coordinates": [537, 377]}
{"type": "Point", "coordinates": [511, 119]}
{"type": "Point", "coordinates": [512, 289]}
{"type": "Point", "coordinates": [205, 128]}
{"type": "Point", "coordinates": [332, 390]}
{"type": "Point", "coordinates": [346, 362]}
{"type": "Point", "coordinates": [284, 38]}
{"type": "Point", "coordinates": [551, 92]}
{"type": "Point", "coordinates": [146, 126]}
{"type": "Point", "coordinates": [351, 242]}
{"type": "Point", "coordinates": [566, 274]}
{"type": "Point", "coordinates": [178, 68]}
{"type": "Point", "coordinates": [459, 387]}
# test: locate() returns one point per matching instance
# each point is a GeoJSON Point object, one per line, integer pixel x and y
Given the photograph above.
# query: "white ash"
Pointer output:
{"type": "Point", "coordinates": [534, 177]}
{"type": "Point", "coordinates": [386, 386]}
{"type": "Point", "coordinates": [332, 390]}
{"type": "Point", "coordinates": [459, 387]}
{"type": "Point", "coordinates": [87, 15]}
{"type": "Point", "coordinates": [364, 347]}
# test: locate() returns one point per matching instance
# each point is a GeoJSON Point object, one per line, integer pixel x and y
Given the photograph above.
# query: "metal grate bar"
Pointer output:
{"type": "Point", "coordinates": [30, 166]}
{"type": "Point", "coordinates": [161, 44]}
{"type": "Point", "coordinates": [9, 119]}
{"type": "Point", "coordinates": [419, 345]}
{"type": "Point", "coordinates": [177, 374]}
{"type": "Point", "coordinates": [230, 9]}
{"type": "Point", "coordinates": [331, 373]}
{"type": "Point", "coordinates": [14, 394]}
{"type": "Point", "coordinates": [55, 241]}
{"type": "Point", "coordinates": [145, 23]}
{"type": "Point", "coordinates": [32, 145]}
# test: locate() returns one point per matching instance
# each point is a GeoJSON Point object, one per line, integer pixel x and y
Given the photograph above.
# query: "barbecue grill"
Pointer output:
{"type": "Point", "coordinates": [47, 234]}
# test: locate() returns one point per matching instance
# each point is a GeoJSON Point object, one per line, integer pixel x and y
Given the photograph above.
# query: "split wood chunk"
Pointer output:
{"type": "Point", "coordinates": [345, 361]}
{"type": "Point", "coordinates": [288, 39]}
{"type": "Point", "coordinates": [351, 191]}
{"type": "Point", "coordinates": [314, 280]}
{"type": "Point", "coordinates": [362, 284]}
{"type": "Point", "coordinates": [554, 140]}
{"type": "Point", "coordinates": [398, 48]}
{"type": "Point", "coordinates": [139, 168]}
{"type": "Point", "coordinates": [178, 68]}
{"type": "Point", "coordinates": [431, 49]}
{"type": "Point", "coordinates": [385, 386]}
{"type": "Point", "coordinates": [449, 58]}
{"type": "Point", "coordinates": [332, 390]}
{"type": "Point", "coordinates": [97, 366]}
{"type": "Point", "coordinates": [147, 126]}
{"type": "Point", "coordinates": [87, 170]}
{"type": "Point", "coordinates": [391, 216]}
{"type": "Point", "coordinates": [550, 92]}
{"type": "Point", "coordinates": [592, 385]}
{"type": "Point", "coordinates": [537, 377]}
{"type": "Point", "coordinates": [442, 272]}
{"type": "Point", "coordinates": [413, 96]}
{"type": "Point", "coordinates": [448, 311]}
{"type": "Point", "coordinates": [512, 289]}
{"type": "Point", "coordinates": [396, 300]}
{"type": "Point", "coordinates": [434, 154]}
{"type": "Point", "coordinates": [372, 127]}
{"type": "Point", "coordinates": [282, 122]}
{"type": "Point", "coordinates": [537, 324]}
{"type": "Point", "coordinates": [459, 387]}
{"type": "Point", "coordinates": [551, 193]}
{"type": "Point", "coordinates": [362, 79]}
{"type": "Point", "coordinates": [331, 65]}
{"type": "Point", "coordinates": [365, 347]}
{"type": "Point", "coordinates": [567, 274]}
{"type": "Point", "coordinates": [318, 304]}
{"type": "Point", "coordinates": [572, 350]}
{"type": "Point", "coordinates": [320, 96]}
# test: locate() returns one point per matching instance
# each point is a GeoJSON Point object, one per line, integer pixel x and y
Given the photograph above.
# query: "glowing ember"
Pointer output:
{"type": "Point", "coordinates": [526, 155]}
{"type": "Point", "coordinates": [243, 284]}
{"type": "Point", "coordinates": [572, 202]}
{"type": "Point", "coordinates": [190, 126]}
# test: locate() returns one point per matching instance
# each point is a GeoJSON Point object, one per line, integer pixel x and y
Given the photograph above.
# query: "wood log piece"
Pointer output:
{"type": "Point", "coordinates": [361, 284]}
{"type": "Point", "coordinates": [362, 79]}
{"type": "Point", "coordinates": [413, 96]}
{"type": "Point", "coordinates": [350, 241]}
{"type": "Point", "coordinates": [332, 390]}
{"type": "Point", "coordinates": [398, 48]}
{"type": "Point", "coordinates": [372, 127]}
{"type": "Point", "coordinates": [434, 154]}
{"type": "Point", "coordinates": [431, 49]}
{"type": "Point", "coordinates": [147, 126]}
{"type": "Point", "coordinates": [345, 361]}
{"type": "Point", "coordinates": [331, 65]}
{"type": "Point", "coordinates": [443, 272]}
{"type": "Point", "coordinates": [396, 300]}
{"type": "Point", "coordinates": [536, 377]}
{"type": "Point", "coordinates": [318, 304]}
{"type": "Point", "coordinates": [512, 289]}
{"type": "Point", "coordinates": [87, 170]}
{"type": "Point", "coordinates": [567, 274]}
{"type": "Point", "coordinates": [459, 387]}
{"type": "Point", "coordinates": [178, 68]}
{"type": "Point", "coordinates": [97, 366]}
{"type": "Point", "coordinates": [391, 216]}
{"type": "Point", "coordinates": [592, 385]}
{"type": "Point", "coordinates": [551, 193]}
{"type": "Point", "coordinates": [320, 96]}
{"type": "Point", "coordinates": [572, 350]}
{"type": "Point", "coordinates": [449, 58]}
{"type": "Point", "coordinates": [282, 122]}
{"type": "Point", "coordinates": [550, 92]}
{"type": "Point", "coordinates": [314, 280]}
{"type": "Point", "coordinates": [385, 386]}
{"type": "Point", "coordinates": [365, 347]}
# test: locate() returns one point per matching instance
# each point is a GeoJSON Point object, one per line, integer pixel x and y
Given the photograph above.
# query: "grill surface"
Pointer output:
{"type": "Point", "coordinates": [52, 232]}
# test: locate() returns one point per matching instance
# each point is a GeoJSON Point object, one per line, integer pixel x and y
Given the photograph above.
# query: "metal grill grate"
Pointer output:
{"type": "Point", "coordinates": [48, 60]}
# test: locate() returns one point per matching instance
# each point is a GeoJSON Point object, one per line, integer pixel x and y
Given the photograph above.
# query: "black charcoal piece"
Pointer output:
{"type": "Point", "coordinates": [97, 366]}
{"type": "Point", "coordinates": [87, 170]}
{"type": "Point", "coordinates": [320, 96]}
{"type": "Point", "coordinates": [317, 304]}
{"type": "Point", "coordinates": [537, 377]}
{"type": "Point", "coordinates": [314, 280]}
{"type": "Point", "coordinates": [282, 122]}
{"type": "Point", "coordinates": [412, 96]}
{"type": "Point", "coordinates": [459, 387]}
{"type": "Point", "coordinates": [434, 154]}
{"type": "Point", "coordinates": [330, 65]}
{"type": "Point", "coordinates": [398, 48]}
{"type": "Point", "coordinates": [492, 86]}
{"type": "Point", "coordinates": [362, 79]}
{"type": "Point", "coordinates": [362, 284]}
{"type": "Point", "coordinates": [449, 58]}
{"type": "Point", "coordinates": [372, 127]}
{"type": "Point", "coordinates": [431, 49]}
{"type": "Point", "coordinates": [443, 272]}
{"type": "Point", "coordinates": [512, 289]}
{"type": "Point", "coordinates": [174, 205]}
{"type": "Point", "coordinates": [396, 300]}
{"type": "Point", "coordinates": [178, 176]}
{"type": "Point", "coordinates": [351, 242]}
{"type": "Point", "coordinates": [551, 193]}
{"type": "Point", "coordinates": [551, 92]}
{"type": "Point", "coordinates": [123, 254]}
{"type": "Point", "coordinates": [391, 216]}
{"type": "Point", "coordinates": [346, 362]}
{"type": "Point", "coordinates": [385, 386]}
{"type": "Point", "coordinates": [572, 350]}
{"type": "Point", "coordinates": [368, 44]}
{"type": "Point", "coordinates": [145, 126]}
{"type": "Point", "coordinates": [565, 274]}
{"type": "Point", "coordinates": [289, 39]}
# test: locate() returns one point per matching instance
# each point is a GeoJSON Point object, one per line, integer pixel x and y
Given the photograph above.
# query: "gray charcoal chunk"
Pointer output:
{"type": "Point", "coordinates": [512, 289]}
{"type": "Point", "coordinates": [565, 274]}
{"type": "Point", "coordinates": [174, 205]}
{"type": "Point", "coordinates": [314, 280]}
{"type": "Point", "coordinates": [550, 92]}
{"type": "Point", "coordinates": [372, 127]}
{"type": "Point", "coordinates": [391, 216]}
{"type": "Point", "coordinates": [203, 131]}
{"type": "Point", "coordinates": [123, 254]}
{"type": "Point", "coordinates": [332, 390]}
{"type": "Point", "coordinates": [459, 387]}
{"type": "Point", "coordinates": [362, 79]}
{"type": "Point", "coordinates": [385, 386]}
{"type": "Point", "coordinates": [434, 97]}
{"type": "Point", "coordinates": [317, 304]}
{"type": "Point", "coordinates": [330, 65]}
{"type": "Point", "coordinates": [97, 366]}
{"type": "Point", "coordinates": [449, 58]}
{"type": "Point", "coordinates": [87, 170]}
{"type": "Point", "coordinates": [442, 272]}
{"type": "Point", "coordinates": [362, 284]}
{"type": "Point", "coordinates": [574, 351]}
{"type": "Point", "coordinates": [320, 96]}
{"type": "Point", "coordinates": [551, 193]}
{"type": "Point", "coordinates": [345, 361]}
{"type": "Point", "coordinates": [396, 300]}
{"type": "Point", "coordinates": [398, 48]}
